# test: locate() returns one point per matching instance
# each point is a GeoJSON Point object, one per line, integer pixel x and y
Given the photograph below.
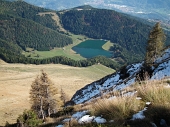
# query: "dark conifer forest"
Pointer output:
{"type": "Point", "coordinates": [22, 27]}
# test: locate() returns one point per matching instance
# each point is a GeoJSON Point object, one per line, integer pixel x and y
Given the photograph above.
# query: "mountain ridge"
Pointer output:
{"type": "Point", "coordinates": [122, 79]}
{"type": "Point", "coordinates": [145, 9]}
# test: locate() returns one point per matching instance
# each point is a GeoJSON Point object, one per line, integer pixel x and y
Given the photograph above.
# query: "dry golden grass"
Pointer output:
{"type": "Point", "coordinates": [158, 94]}
{"type": "Point", "coordinates": [154, 92]}
{"type": "Point", "coordinates": [16, 79]}
{"type": "Point", "coordinates": [117, 109]}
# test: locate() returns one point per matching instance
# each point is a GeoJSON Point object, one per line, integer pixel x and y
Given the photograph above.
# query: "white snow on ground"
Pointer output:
{"type": "Point", "coordinates": [89, 119]}
{"type": "Point", "coordinates": [163, 70]}
{"type": "Point", "coordinates": [165, 55]}
{"type": "Point", "coordinates": [138, 98]}
{"type": "Point", "coordinates": [139, 115]}
{"type": "Point", "coordinates": [86, 119]}
{"type": "Point", "coordinates": [66, 120]}
{"type": "Point", "coordinates": [124, 85]}
{"type": "Point", "coordinates": [78, 115]}
{"type": "Point", "coordinates": [133, 68]}
{"type": "Point", "coordinates": [82, 118]}
{"type": "Point", "coordinates": [99, 120]}
{"type": "Point", "coordinates": [60, 126]}
{"type": "Point", "coordinates": [148, 103]}
{"type": "Point", "coordinates": [112, 80]}
{"type": "Point", "coordinates": [96, 88]}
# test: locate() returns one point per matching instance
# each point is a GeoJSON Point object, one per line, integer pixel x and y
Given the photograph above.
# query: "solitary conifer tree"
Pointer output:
{"type": "Point", "coordinates": [155, 44]}
{"type": "Point", "coordinates": [42, 96]}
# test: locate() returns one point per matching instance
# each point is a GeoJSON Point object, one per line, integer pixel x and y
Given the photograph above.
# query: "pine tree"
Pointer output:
{"type": "Point", "coordinates": [42, 95]}
{"type": "Point", "coordinates": [155, 44]}
{"type": "Point", "coordinates": [28, 119]}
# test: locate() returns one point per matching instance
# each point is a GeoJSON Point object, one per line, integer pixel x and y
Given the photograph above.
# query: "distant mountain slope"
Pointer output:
{"type": "Point", "coordinates": [155, 9]}
{"type": "Point", "coordinates": [24, 10]}
{"type": "Point", "coordinates": [21, 24]}
{"type": "Point", "coordinates": [27, 33]}
{"type": "Point", "coordinates": [121, 79]}
{"type": "Point", "coordinates": [128, 34]}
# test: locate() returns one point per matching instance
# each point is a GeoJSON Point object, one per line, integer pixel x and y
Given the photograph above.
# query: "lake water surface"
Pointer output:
{"type": "Point", "coordinates": [91, 48]}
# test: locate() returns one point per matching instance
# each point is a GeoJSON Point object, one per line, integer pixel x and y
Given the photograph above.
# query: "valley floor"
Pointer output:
{"type": "Point", "coordinates": [16, 79]}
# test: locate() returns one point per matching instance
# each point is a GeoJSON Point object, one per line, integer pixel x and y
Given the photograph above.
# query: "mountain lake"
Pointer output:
{"type": "Point", "coordinates": [91, 48]}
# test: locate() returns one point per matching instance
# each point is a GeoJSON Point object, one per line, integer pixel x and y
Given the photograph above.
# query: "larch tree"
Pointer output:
{"type": "Point", "coordinates": [42, 96]}
{"type": "Point", "coordinates": [155, 44]}
{"type": "Point", "coordinates": [63, 97]}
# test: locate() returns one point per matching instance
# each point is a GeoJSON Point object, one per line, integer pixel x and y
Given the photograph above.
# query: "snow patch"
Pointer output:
{"type": "Point", "coordinates": [66, 120]}
{"type": "Point", "coordinates": [59, 126]}
{"type": "Point", "coordinates": [166, 55]}
{"type": "Point", "coordinates": [86, 119]}
{"type": "Point", "coordinates": [148, 103]}
{"type": "Point", "coordinates": [163, 70]}
{"type": "Point", "coordinates": [99, 120]}
{"type": "Point", "coordinates": [138, 98]}
{"type": "Point", "coordinates": [78, 115]}
{"type": "Point", "coordinates": [139, 115]}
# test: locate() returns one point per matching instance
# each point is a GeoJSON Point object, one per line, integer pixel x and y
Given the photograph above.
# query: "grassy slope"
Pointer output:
{"type": "Point", "coordinates": [107, 45]}
{"type": "Point", "coordinates": [15, 81]}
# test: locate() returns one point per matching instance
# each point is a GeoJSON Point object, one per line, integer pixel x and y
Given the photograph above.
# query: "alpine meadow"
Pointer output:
{"type": "Point", "coordinates": [85, 65]}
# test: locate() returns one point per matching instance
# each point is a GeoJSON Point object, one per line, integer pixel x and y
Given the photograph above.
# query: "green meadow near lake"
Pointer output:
{"type": "Point", "coordinates": [91, 48]}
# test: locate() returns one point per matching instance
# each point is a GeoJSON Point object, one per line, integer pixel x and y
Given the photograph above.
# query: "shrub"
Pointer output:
{"type": "Point", "coordinates": [28, 119]}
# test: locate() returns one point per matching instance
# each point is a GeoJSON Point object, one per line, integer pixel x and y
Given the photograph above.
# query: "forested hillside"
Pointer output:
{"type": "Point", "coordinates": [128, 34]}
{"type": "Point", "coordinates": [27, 11]}
{"type": "Point", "coordinates": [16, 27]}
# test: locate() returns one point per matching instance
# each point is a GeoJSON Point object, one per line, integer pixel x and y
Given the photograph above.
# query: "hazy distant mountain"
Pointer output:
{"type": "Point", "coordinates": [153, 9]}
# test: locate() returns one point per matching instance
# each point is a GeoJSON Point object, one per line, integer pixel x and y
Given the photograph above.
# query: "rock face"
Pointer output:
{"type": "Point", "coordinates": [121, 79]}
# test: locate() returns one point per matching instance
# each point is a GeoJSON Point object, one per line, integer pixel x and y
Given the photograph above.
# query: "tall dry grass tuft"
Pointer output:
{"type": "Point", "coordinates": [154, 92]}
{"type": "Point", "coordinates": [117, 109]}
{"type": "Point", "coordinates": [159, 95]}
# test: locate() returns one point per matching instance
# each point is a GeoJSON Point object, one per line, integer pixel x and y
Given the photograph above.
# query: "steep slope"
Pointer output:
{"type": "Point", "coordinates": [121, 79]}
